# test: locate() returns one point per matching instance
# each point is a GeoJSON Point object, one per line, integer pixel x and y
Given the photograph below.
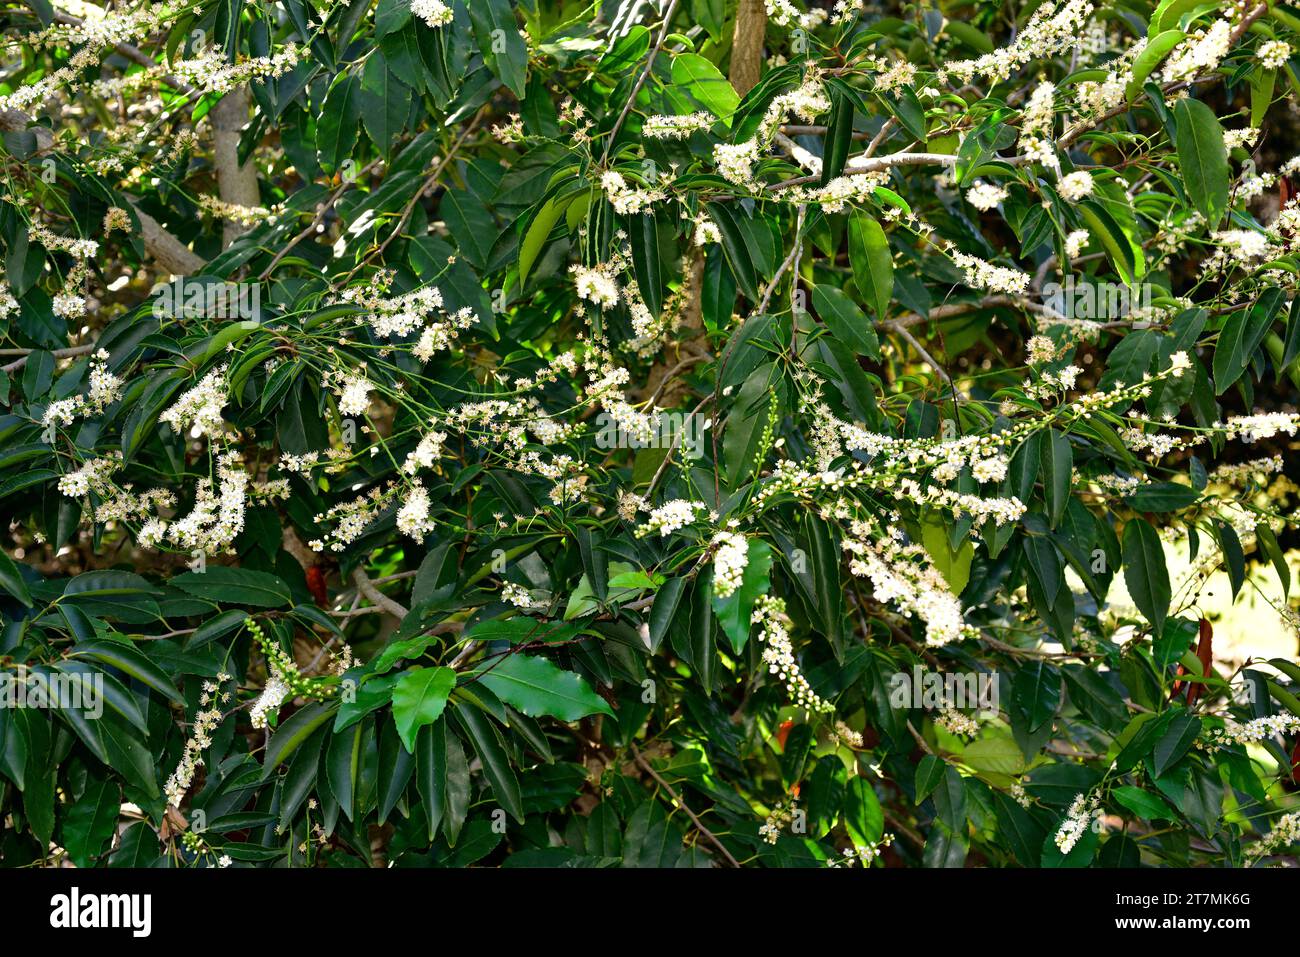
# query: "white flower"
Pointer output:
{"type": "Point", "coordinates": [1253, 428]}
{"type": "Point", "coordinates": [273, 695]}
{"type": "Point", "coordinates": [985, 275]}
{"type": "Point", "coordinates": [595, 286]}
{"type": "Point", "coordinates": [519, 596]}
{"type": "Point", "coordinates": [729, 563]}
{"type": "Point", "coordinates": [1076, 241]}
{"type": "Point", "coordinates": [425, 454]}
{"type": "Point", "coordinates": [671, 516]}
{"type": "Point", "coordinates": [991, 469]}
{"type": "Point", "coordinates": [1076, 186]}
{"type": "Point", "coordinates": [199, 409]}
{"type": "Point", "coordinates": [1077, 821]}
{"type": "Point", "coordinates": [1245, 245]}
{"type": "Point", "coordinates": [1273, 54]}
{"type": "Point", "coordinates": [69, 307]}
{"type": "Point", "coordinates": [433, 12]}
{"type": "Point", "coordinates": [413, 516]}
{"type": "Point", "coordinates": [1041, 349]}
{"type": "Point", "coordinates": [354, 398]}
{"type": "Point", "coordinates": [984, 196]}
{"type": "Point", "coordinates": [1200, 53]}
{"type": "Point", "coordinates": [661, 127]}
{"type": "Point", "coordinates": [706, 231]}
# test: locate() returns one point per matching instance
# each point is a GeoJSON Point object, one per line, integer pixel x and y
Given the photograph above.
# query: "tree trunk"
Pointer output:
{"type": "Point", "coordinates": [747, 45]}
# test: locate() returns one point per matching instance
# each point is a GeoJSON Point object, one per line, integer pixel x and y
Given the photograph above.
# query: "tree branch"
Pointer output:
{"type": "Point", "coordinates": [367, 588]}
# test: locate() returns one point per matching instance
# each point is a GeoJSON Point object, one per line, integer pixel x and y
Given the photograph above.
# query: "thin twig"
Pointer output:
{"type": "Point", "coordinates": [640, 81]}
{"type": "Point", "coordinates": [644, 765]}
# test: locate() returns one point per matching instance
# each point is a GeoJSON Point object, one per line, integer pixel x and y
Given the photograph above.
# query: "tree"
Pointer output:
{"type": "Point", "coordinates": [681, 434]}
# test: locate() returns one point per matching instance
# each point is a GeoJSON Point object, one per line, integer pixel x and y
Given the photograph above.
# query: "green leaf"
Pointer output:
{"type": "Point", "coordinates": [1243, 332]}
{"type": "Point", "coordinates": [138, 847]}
{"type": "Point", "coordinates": [1175, 743]}
{"type": "Point", "coordinates": [863, 817]}
{"type": "Point", "coordinates": [548, 214]}
{"type": "Point", "coordinates": [1268, 541]}
{"type": "Point", "coordinates": [953, 563]}
{"type": "Point", "coordinates": [1116, 244]}
{"type": "Point", "coordinates": [102, 584]}
{"type": "Point", "coordinates": [667, 600]}
{"type": "Point", "coordinates": [129, 659]}
{"type": "Point", "coordinates": [1162, 497]}
{"type": "Point", "coordinates": [537, 687]}
{"type": "Point", "coordinates": [847, 322]}
{"type": "Point", "coordinates": [1145, 573]}
{"type": "Point", "coordinates": [950, 800]}
{"type": "Point", "coordinates": [735, 610]}
{"type": "Point", "coordinates": [1144, 804]}
{"type": "Point", "coordinates": [11, 580]}
{"type": "Point", "coordinates": [496, 765]}
{"type": "Point", "coordinates": [499, 41]}
{"type": "Point", "coordinates": [1202, 158]}
{"type": "Point", "coordinates": [1037, 692]}
{"type": "Point", "coordinates": [419, 699]}
{"type": "Point", "coordinates": [873, 265]}
{"type": "Point", "coordinates": [235, 586]}
{"type": "Point", "coordinates": [1157, 48]}
{"type": "Point", "coordinates": [89, 821]}
{"type": "Point", "coordinates": [339, 122]}
{"type": "Point", "coordinates": [385, 102]}
{"type": "Point", "coordinates": [1057, 469]}
{"type": "Point", "coordinates": [291, 735]}
{"type": "Point", "coordinates": [342, 764]}
{"type": "Point", "coordinates": [703, 81]}
{"type": "Point", "coordinates": [928, 775]}
{"type": "Point", "coordinates": [735, 248]}
{"type": "Point", "coordinates": [839, 133]}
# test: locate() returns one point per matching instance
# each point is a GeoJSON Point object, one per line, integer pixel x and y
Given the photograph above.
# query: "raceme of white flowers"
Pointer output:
{"type": "Point", "coordinates": [729, 563]}
{"type": "Point", "coordinates": [435, 13]}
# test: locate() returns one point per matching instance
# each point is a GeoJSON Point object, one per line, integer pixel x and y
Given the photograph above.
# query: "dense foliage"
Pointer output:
{"type": "Point", "coordinates": [700, 433]}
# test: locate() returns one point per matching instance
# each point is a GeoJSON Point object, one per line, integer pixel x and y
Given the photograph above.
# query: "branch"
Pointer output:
{"type": "Point", "coordinates": [640, 81]}
{"type": "Point", "coordinates": [875, 164]}
{"type": "Point", "coordinates": [644, 765]}
{"type": "Point", "coordinates": [168, 251]}
{"type": "Point", "coordinates": [921, 351]}
{"type": "Point", "coordinates": [367, 588]}
{"type": "Point", "coordinates": [57, 353]}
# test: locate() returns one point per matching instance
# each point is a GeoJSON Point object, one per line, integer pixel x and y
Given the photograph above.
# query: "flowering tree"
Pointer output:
{"type": "Point", "coordinates": [680, 433]}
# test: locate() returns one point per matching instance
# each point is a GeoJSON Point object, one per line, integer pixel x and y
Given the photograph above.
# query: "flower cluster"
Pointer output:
{"type": "Point", "coordinates": [205, 723]}
{"type": "Point", "coordinates": [778, 653]}
{"type": "Point", "coordinates": [1083, 812]}
{"type": "Point", "coordinates": [729, 562]}
{"type": "Point", "coordinates": [902, 575]}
